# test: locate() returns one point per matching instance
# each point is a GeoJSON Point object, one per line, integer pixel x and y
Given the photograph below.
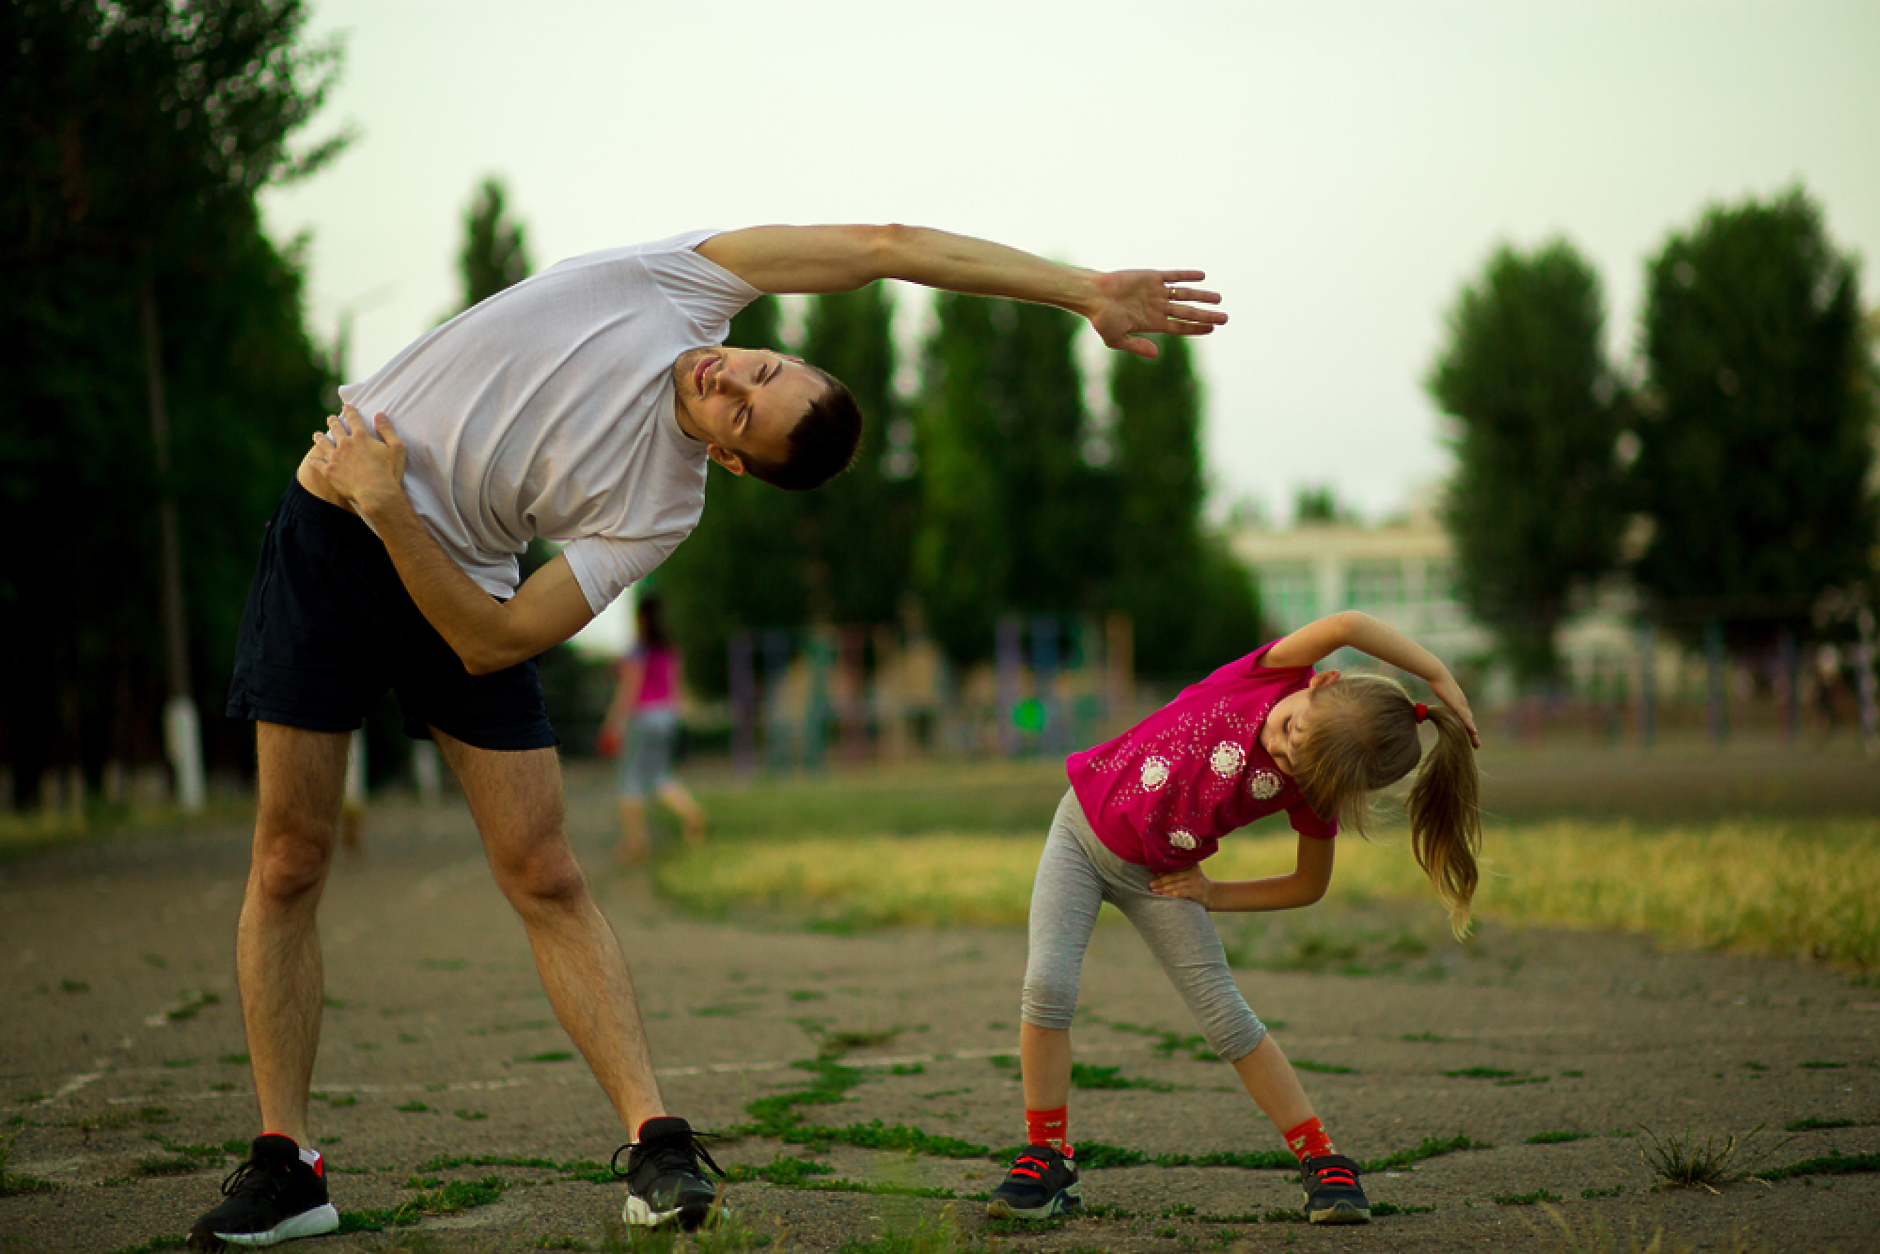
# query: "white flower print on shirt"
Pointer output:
{"type": "Point", "coordinates": [1262, 784]}
{"type": "Point", "coordinates": [1227, 759]}
{"type": "Point", "coordinates": [1182, 838]}
{"type": "Point", "coordinates": [1154, 773]}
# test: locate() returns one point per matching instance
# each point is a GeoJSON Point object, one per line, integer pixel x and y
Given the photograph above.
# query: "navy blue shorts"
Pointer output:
{"type": "Point", "coordinates": [329, 627]}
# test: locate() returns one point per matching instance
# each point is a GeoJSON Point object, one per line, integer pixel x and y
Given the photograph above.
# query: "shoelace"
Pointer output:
{"type": "Point", "coordinates": [681, 1151]}
{"type": "Point", "coordinates": [252, 1177]}
{"type": "Point", "coordinates": [1019, 1169]}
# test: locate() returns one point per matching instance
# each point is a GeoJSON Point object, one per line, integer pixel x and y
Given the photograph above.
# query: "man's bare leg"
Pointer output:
{"type": "Point", "coordinates": [516, 799]}
{"type": "Point", "coordinates": [277, 945]}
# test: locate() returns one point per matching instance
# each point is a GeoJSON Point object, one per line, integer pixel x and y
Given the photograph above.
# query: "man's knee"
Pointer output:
{"type": "Point", "coordinates": [544, 873]}
{"type": "Point", "coordinates": [291, 857]}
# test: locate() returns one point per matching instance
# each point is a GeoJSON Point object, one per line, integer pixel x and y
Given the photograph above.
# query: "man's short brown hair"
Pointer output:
{"type": "Point", "coordinates": [822, 444]}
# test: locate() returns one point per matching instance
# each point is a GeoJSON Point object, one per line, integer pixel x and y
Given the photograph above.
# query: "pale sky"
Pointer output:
{"type": "Point", "coordinates": [1338, 169]}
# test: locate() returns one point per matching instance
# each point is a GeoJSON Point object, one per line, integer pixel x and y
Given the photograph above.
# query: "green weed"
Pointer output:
{"type": "Point", "coordinates": [1831, 1164]}
{"type": "Point", "coordinates": [1812, 1125]}
{"type": "Point", "coordinates": [1324, 1068]}
{"type": "Point", "coordinates": [1525, 1199]}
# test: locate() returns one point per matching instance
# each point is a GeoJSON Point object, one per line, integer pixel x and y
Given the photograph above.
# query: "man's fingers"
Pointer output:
{"type": "Point", "coordinates": [1183, 276]}
{"type": "Point", "coordinates": [1188, 313]}
{"type": "Point", "coordinates": [1194, 293]}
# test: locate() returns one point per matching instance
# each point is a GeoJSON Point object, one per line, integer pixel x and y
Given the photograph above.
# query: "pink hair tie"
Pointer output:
{"type": "Point", "coordinates": [1423, 711]}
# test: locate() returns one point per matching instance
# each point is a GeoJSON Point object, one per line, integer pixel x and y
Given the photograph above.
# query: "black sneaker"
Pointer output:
{"type": "Point", "coordinates": [664, 1182]}
{"type": "Point", "coordinates": [1041, 1183]}
{"type": "Point", "coordinates": [1332, 1192]}
{"type": "Point", "coordinates": [273, 1197]}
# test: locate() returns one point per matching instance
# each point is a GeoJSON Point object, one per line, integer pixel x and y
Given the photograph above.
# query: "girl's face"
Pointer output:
{"type": "Point", "coordinates": [1289, 721]}
{"type": "Point", "coordinates": [1285, 729]}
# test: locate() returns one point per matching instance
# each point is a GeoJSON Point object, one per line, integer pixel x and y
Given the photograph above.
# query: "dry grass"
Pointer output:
{"type": "Point", "coordinates": [1770, 887]}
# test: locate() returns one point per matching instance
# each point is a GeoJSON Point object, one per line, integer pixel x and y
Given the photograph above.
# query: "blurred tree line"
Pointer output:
{"type": "Point", "coordinates": [1729, 477]}
{"type": "Point", "coordinates": [163, 382]}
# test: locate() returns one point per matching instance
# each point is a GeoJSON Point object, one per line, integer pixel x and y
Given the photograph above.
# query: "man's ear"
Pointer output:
{"type": "Point", "coordinates": [725, 457]}
{"type": "Point", "coordinates": [1321, 679]}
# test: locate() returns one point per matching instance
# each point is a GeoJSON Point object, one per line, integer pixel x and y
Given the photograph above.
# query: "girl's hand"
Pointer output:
{"type": "Point", "coordinates": [1188, 882]}
{"type": "Point", "coordinates": [1450, 694]}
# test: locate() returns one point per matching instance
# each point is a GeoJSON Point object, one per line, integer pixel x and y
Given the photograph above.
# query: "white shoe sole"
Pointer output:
{"type": "Point", "coordinates": [309, 1223]}
{"type": "Point", "coordinates": [637, 1213]}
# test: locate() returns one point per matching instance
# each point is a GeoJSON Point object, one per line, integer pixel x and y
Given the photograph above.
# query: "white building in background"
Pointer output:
{"type": "Point", "coordinates": [1403, 572]}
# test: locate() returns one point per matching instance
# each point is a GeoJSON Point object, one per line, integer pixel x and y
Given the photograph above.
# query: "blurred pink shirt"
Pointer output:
{"type": "Point", "coordinates": [659, 677]}
{"type": "Point", "coordinates": [1163, 793]}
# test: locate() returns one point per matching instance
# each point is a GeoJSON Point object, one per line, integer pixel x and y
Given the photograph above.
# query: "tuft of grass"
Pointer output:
{"type": "Point", "coordinates": [552, 1055]}
{"type": "Point", "coordinates": [1324, 1068]}
{"type": "Point", "coordinates": [1430, 1147]}
{"type": "Point", "coordinates": [1525, 1199]}
{"type": "Point", "coordinates": [1684, 1162]}
{"type": "Point", "coordinates": [414, 1107]}
{"type": "Point", "coordinates": [1556, 1138]}
{"type": "Point", "coordinates": [1481, 1073]}
{"type": "Point", "coordinates": [1812, 1125]}
{"type": "Point", "coordinates": [451, 1199]}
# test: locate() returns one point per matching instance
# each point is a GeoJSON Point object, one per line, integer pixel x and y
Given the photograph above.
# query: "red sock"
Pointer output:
{"type": "Point", "coordinates": [1310, 1140]}
{"type": "Point", "coordinates": [1048, 1127]}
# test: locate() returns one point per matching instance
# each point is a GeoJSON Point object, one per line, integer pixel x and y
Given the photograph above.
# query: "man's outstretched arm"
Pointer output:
{"type": "Point", "coordinates": [1121, 304]}
{"type": "Point", "coordinates": [366, 469]}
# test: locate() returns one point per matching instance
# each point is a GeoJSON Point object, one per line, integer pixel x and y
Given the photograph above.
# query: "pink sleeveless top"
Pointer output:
{"type": "Point", "coordinates": [1164, 792]}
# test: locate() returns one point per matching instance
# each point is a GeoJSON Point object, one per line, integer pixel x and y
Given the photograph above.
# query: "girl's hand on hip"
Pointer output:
{"type": "Point", "coordinates": [1188, 882]}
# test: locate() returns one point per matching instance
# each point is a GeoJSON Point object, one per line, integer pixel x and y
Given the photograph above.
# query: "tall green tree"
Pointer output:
{"type": "Point", "coordinates": [1536, 507]}
{"type": "Point", "coordinates": [1013, 517]}
{"type": "Point", "coordinates": [167, 372]}
{"type": "Point", "coordinates": [1756, 436]}
{"type": "Point", "coordinates": [495, 252]}
{"type": "Point", "coordinates": [861, 545]}
{"type": "Point", "coordinates": [1192, 604]}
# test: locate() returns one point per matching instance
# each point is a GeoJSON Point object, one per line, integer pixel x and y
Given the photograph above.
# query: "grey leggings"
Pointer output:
{"type": "Point", "coordinates": [1076, 875]}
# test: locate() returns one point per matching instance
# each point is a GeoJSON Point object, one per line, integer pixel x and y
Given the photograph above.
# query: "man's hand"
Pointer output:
{"type": "Point", "coordinates": [1131, 302]}
{"type": "Point", "coordinates": [1188, 882]}
{"type": "Point", "coordinates": [365, 466]}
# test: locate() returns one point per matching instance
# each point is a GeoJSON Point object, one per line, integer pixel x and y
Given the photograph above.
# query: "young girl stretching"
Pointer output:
{"type": "Point", "coordinates": [1261, 735]}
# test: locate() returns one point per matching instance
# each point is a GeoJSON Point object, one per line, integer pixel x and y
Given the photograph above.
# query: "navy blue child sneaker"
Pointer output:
{"type": "Point", "coordinates": [1041, 1183]}
{"type": "Point", "coordinates": [1333, 1195]}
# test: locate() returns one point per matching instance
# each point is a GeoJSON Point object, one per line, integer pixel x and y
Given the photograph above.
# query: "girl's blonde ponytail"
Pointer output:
{"type": "Point", "coordinates": [1445, 821]}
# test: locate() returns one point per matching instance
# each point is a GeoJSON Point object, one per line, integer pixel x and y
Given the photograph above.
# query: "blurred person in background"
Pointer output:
{"type": "Point", "coordinates": [644, 721]}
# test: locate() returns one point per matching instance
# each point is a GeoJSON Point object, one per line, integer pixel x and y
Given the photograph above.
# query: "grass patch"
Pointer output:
{"type": "Point", "coordinates": [1323, 1068]}
{"type": "Point", "coordinates": [194, 1003]}
{"type": "Point", "coordinates": [1555, 1138]}
{"type": "Point", "coordinates": [1833, 1164]}
{"type": "Point", "coordinates": [1429, 1147]}
{"type": "Point", "coordinates": [962, 847]}
{"type": "Point", "coordinates": [1481, 1073]}
{"type": "Point", "coordinates": [552, 1055]}
{"type": "Point", "coordinates": [414, 1107]}
{"type": "Point", "coordinates": [1525, 1199]}
{"type": "Point", "coordinates": [12, 1183]}
{"type": "Point", "coordinates": [451, 1199]}
{"type": "Point", "coordinates": [1085, 1076]}
{"type": "Point", "coordinates": [1812, 1125]}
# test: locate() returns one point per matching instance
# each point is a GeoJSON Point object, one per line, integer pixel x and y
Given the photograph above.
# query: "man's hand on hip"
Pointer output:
{"type": "Point", "coordinates": [364, 463]}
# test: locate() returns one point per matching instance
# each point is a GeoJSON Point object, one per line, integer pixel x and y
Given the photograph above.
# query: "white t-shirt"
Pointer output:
{"type": "Point", "coordinates": [547, 410]}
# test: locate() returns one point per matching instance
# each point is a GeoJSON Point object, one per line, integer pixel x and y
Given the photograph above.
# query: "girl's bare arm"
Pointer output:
{"type": "Point", "coordinates": [1354, 629]}
{"type": "Point", "coordinates": [1304, 885]}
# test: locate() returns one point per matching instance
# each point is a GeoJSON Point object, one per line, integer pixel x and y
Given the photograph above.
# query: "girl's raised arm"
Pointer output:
{"type": "Point", "coordinates": [1316, 641]}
